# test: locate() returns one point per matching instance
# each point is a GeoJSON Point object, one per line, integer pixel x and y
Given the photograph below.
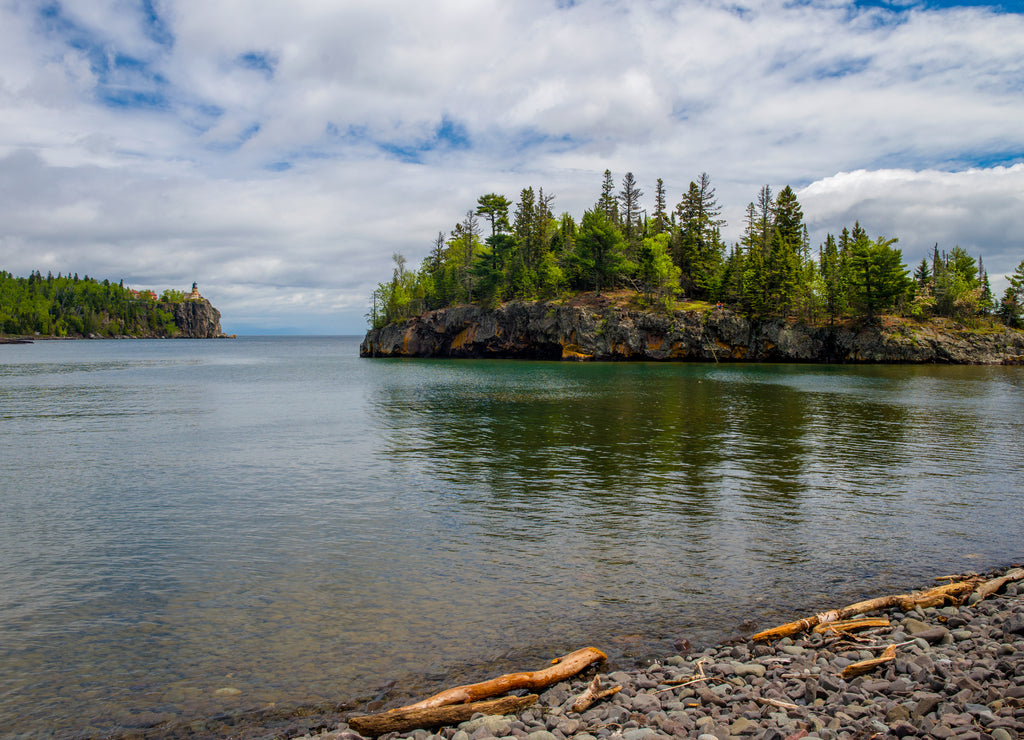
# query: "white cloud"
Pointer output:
{"type": "Point", "coordinates": [245, 146]}
{"type": "Point", "coordinates": [981, 210]}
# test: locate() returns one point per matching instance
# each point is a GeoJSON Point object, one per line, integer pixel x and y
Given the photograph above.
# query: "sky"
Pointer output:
{"type": "Point", "coordinates": [278, 153]}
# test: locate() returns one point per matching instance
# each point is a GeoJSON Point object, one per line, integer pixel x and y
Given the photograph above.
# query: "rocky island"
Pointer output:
{"type": "Point", "coordinates": [620, 284]}
{"type": "Point", "coordinates": [594, 328]}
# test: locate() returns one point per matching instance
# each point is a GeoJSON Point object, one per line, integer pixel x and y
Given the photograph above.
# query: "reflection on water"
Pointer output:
{"type": "Point", "coordinates": [193, 528]}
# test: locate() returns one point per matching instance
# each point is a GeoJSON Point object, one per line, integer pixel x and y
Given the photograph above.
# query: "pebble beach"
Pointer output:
{"type": "Point", "coordinates": [957, 673]}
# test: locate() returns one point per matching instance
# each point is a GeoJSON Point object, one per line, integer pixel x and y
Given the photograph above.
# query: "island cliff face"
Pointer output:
{"type": "Point", "coordinates": [556, 331]}
{"type": "Point", "coordinates": [197, 319]}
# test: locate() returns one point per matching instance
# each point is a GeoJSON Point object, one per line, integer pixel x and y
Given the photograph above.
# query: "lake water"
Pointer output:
{"type": "Point", "coordinates": [203, 534]}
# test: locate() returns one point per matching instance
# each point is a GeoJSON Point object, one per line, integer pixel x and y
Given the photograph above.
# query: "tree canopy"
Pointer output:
{"type": "Point", "coordinates": [675, 254]}
{"type": "Point", "coordinates": [69, 306]}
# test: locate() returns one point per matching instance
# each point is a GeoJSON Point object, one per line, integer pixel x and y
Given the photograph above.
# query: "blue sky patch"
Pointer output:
{"type": "Point", "coordinates": [999, 7]}
{"type": "Point", "coordinates": [155, 27]}
{"type": "Point", "coordinates": [259, 62]}
{"type": "Point", "coordinates": [123, 81]}
{"type": "Point", "coordinates": [449, 135]}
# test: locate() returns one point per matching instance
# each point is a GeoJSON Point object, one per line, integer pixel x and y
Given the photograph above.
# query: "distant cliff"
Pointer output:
{"type": "Point", "coordinates": [69, 306]}
{"type": "Point", "coordinates": [196, 319]}
{"type": "Point", "coordinates": [558, 331]}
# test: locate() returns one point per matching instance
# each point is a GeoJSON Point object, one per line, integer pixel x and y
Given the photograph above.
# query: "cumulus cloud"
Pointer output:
{"type": "Point", "coordinates": [977, 209]}
{"type": "Point", "coordinates": [280, 153]}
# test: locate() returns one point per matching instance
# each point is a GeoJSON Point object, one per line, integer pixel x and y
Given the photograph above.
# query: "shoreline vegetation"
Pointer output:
{"type": "Point", "coordinates": [944, 662]}
{"type": "Point", "coordinates": [663, 262]}
{"type": "Point", "coordinates": [69, 307]}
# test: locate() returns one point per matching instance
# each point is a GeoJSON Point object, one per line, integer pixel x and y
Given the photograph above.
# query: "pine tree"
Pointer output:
{"type": "Point", "coordinates": [495, 208]}
{"type": "Point", "coordinates": [599, 250]}
{"type": "Point", "coordinates": [834, 279]}
{"type": "Point", "coordinates": [629, 198]}
{"type": "Point", "coordinates": [878, 275]}
{"type": "Point", "coordinates": [607, 203]}
{"type": "Point", "coordinates": [923, 276]}
{"type": "Point", "coordinates": [660, 223]}
{"type": "Point", "coordinates": [699, 249]}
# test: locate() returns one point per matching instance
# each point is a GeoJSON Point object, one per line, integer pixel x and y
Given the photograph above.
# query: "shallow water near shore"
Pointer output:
{"type": "Point", "coordinates": [196, 529]}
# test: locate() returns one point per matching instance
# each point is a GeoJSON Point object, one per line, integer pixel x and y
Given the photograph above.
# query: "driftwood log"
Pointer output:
{"type": "Point", "coordinates": [426, 713]}
{"type": "Point", "coordinates": [401, 720]}
{"type": "Point", "coordinates": [865, 666]}
{"type": "Point", "coordinates": [949, 593]}
{"type": "Point", "coordinates": [991, 586]}
{"type": "Point", "coordinates": [593, 693]}
{"type": "Point", "coordinates": [850, 625]}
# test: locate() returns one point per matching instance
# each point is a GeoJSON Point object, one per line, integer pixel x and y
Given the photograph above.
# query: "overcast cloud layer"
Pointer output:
{"type": "Point", "coordinates": [279, 153]}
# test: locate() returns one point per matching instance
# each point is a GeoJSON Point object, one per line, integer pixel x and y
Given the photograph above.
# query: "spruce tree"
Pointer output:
{"type": "Point", "coordinates": [629, 199]}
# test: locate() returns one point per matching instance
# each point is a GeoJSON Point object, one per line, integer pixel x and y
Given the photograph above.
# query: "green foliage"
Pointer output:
{"type": "Point", "coordinates": [68, 306]}
{"type": "Point", "coordinates": [657, 273]}
{"type": "Point", "coordinates": [599, 250]}
{"type": "Point", "coordinates": [771, 271]}
{"type": "Point", "coordinates": [699, 249]}
{"type": "Point", "coordinates": [1011, 307]}
{"type": "Point", "coordinates": [877, 275]}
{"type": "Point", "coordinates": [172, 296]}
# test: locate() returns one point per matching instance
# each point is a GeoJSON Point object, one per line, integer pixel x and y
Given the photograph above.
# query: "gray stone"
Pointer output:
{"type": "Point", "coordinates": [539, 735]}
{"type": "Point", "coordinates": [495, 725]}
{"type": "Point", "coordinates": [646, 703]}
{"type": "Point", "coordinates": [638, 734]}
{"type": "Point", "coordinates": [926, 705]}
{"type": "Point", "coordinates": [750, 669]}
{"type": "Point", "coordinates": [743, 726]}
{"type": "Point", "coordinates": [915, 626]}
{"type": "Point", "coordinates": [1014, 625]}
{"type": "Point", "coordinates": [1000, 733]}
{"type": "Point", "coordinates": [568, 726]}
{"type": "Point", "coordinates": [933, 635]}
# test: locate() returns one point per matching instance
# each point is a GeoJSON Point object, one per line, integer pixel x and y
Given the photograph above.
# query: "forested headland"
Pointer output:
{"type": "Point", "coordinates": [69, 306]}
{"type": "Point", "coordinates": [672, 256]}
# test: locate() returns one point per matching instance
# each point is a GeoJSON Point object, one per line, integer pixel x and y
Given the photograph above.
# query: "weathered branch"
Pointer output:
{"type": "Point", "coordinates": [950, 592]}
{"type": "Point", "coordinates": [851, 624]}
{"type": "Point", "coordinates": [400, 720]}
{"type": "Point", "coordinates": [864, 666]}
{"type": "Point", "coordinates": [992, 586]}
{"type": "Point", "coordinates": [593, 693]}
{"type": "Point", "coordinates": [561, 669]}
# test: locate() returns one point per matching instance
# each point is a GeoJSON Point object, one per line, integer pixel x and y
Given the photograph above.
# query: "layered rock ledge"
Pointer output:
{"type": "Point", "coordinates": [605, 332]}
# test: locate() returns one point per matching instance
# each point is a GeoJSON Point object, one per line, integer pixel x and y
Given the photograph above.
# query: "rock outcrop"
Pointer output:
{"type": "Point", "coordinates": [564, 331]}
{"type": "Point", "coordinates": [197, 319]}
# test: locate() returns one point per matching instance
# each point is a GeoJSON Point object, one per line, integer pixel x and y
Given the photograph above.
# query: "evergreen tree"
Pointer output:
{"type": "Point", "coordinates": [923, 275]}
{"type": "Point", "coordinates": [1011, 307]}
{"type": "Point", "coordinates": [835, 281]}
{"type": "Point", "coordinates": [629, 198]}
{"type": "Point", "coordinates": [607, 203]}
{"type": "Point", "coordinates": [699, 249]}
{"type": "Point", "coordinates": [599, 250]}
{"type": "Point", "coordinates": [660, 223]}
{"type": "Point", "coordinates": [878, 275]}
{"type": "Point", "coordinates": [986, 302]}
{"type": "Point", "coordinates": [495, 208]}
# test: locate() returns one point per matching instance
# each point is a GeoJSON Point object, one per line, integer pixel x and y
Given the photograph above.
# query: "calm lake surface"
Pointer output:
{"type": "Point", "coordinates": [191, 529]}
